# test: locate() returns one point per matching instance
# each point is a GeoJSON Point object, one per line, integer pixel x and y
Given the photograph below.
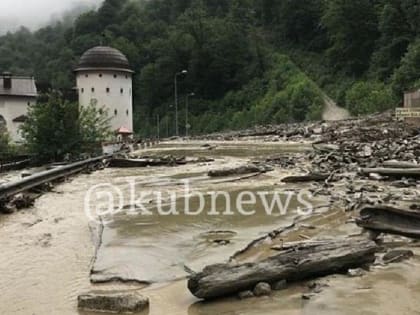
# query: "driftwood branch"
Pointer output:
{"type": "Point", "coordinates": [386, 219]}
{"type": "Point", "coordinates": [313, 177]}
{"type": "Point", "coordinates": [400, 164]}
{"type": "Point", "coordinates": [298, 262]}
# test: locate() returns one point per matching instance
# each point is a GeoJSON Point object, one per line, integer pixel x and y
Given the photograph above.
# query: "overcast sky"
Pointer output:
{"type": "Point", "coordinates": [34, 13]}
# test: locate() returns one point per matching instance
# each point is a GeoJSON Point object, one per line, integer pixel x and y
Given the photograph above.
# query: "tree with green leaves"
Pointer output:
{"type": "Point", "coordinates": [56, 127]}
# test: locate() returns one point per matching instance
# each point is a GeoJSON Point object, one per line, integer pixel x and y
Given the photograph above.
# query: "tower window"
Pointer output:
{"type": "Point", "coordinates": [29, 103]}
{"type": "Point", "coordinates": [87, 75]}
{"type": "Point", "coordinates": [107, 90]}
{"type": "Point", "coordinates": [115, 112]}
{"type": "Point", "coordinates": [115, 76]}
{"type": "Point", "coordinates": [93, 89]}
{"type": "Point", "coordinates": [122, 91]}
{"type": "Point", "coordinates": [82, 90]}
{"type": "Point", "coordinates": [126, 76]}
{"type": "Point", "coordinates": [128, 112]}
{"type": "Point", "coordinates": [100, 75]}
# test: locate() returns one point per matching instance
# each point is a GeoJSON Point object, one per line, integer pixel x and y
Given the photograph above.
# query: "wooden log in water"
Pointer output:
{"type": "Point", "coordinates": [313, 177]}
{"type": "Point", "coordinates": [387, 219]}
{"type": "Point", "coordinates": [294, 264]}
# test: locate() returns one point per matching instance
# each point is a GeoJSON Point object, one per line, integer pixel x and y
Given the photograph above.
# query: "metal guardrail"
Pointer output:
{"type": "Point", "coordinates": [8, 190]}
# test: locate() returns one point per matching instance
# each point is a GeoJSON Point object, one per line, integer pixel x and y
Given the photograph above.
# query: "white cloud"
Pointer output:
{"type": "Point", "coordinates": [34, 13]}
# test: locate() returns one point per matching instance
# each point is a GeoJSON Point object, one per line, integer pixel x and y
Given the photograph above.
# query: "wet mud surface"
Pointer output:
{"type": "Point", "coordinates": [48, 251]}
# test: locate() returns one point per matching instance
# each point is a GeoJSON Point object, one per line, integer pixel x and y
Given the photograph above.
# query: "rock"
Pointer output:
{"type": "Point", "coordinates": [280, 285]}
{"type": "Point", "coordinates": [353, 273]}
{"type": "Point", "coordinates": [262, 289]}
{"type": "Point", "coordinates": [116, 302]}
{"type": "Point", "coordinates": [375, 176]}
{"type": "Point", "coordinates": [307, 296]}
{"type": "Point", "coordinates": [398, 255]}
{"type": "Point", "coordinates": [246, 295]}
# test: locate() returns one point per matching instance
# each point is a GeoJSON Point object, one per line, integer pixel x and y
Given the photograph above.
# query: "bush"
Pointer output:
{"type": "Point", "coordinates": [369, 97]}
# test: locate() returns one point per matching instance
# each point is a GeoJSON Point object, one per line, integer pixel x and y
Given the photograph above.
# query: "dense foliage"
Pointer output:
{"type": "Point", "coordinates": [241, 56]}
{"type": "Point", "coordinates": [56, 128]}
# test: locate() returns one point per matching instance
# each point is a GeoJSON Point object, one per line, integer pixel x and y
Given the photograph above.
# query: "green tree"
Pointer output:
{"type": "Point", "coordinates": [352, 28]}
{"type": "Point", "coordinates": [369, 97]}
{"type": "Point", "coordinates": [55, 127]}
{"type": "Point", "coordinates": [407, 75]}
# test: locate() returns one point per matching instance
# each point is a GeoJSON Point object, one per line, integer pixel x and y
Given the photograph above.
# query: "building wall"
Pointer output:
{"type": "Point", "coordinates": [412, 100]}
{"type": "Point", "coordinates": [12, 107]}
{"type": "Point", "coordinates": [92, 87]}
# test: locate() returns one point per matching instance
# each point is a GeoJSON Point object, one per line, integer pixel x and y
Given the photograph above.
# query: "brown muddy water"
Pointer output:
{"type": "Point", "coordinates": [48, 250]}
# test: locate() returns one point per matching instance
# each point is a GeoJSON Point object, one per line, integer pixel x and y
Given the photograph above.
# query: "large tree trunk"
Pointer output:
{"type": "Point", "coordinates": [298, 262]}
{"type": "Point", "coordinates": [385, 219]}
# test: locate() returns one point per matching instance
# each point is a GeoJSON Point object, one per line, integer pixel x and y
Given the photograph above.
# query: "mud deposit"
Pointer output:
{"type": "Point", "coordinates": [48, 251]}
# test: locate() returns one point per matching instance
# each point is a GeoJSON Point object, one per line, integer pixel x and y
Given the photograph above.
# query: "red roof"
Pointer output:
{"type": "Point", "coordinates": [124, 130]}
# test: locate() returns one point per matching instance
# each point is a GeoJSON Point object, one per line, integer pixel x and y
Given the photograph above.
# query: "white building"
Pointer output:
{"type": "Point", "coordinates": [104, 78]}
{"type": "Point", "coordinates": [16, 95]}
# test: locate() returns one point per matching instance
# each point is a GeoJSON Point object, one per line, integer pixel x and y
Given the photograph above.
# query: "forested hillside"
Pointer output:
{"type": "Point", "coordinates": [248, 61]}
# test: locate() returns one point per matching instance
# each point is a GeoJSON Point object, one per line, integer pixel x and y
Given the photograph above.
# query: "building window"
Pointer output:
{"type": "Point", "coordinates": [93, 90]}
{"type": "Point", "coordinates": [101, 111]}
{"type": "Point", "coordinates": [115, 76]}
{"type": "Point", "coordinates": [87, 75]}
{"type": "Point", "coordinates": [29, 103]}
{"type": "Point", "coordinates": [100, 75]}
{"type": "Point", "coordinates": [128, 112]}
{"type": "Point", "coordinates": [126, 76]}
{"type": "Point", "coordinates": [107, 90]}
{"type": "Point", "coordinates": [82, 90]}
{"type": "Point", "coordinates": [115, 112]}
{"type": "Point", "coordinates": [122, 91]}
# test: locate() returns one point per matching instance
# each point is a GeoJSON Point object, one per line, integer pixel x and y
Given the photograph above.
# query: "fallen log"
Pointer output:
{"type": "Point", "coordinates": [241, 170]}
{"type": "Point", "coordinates": [294, 264]}
{"type": "Point", "coordinates": [313, 177]}
{"type": "Point", "coordinates": [393, 172]}
{"type": "Point", "coordinates": [386, 219]}
{"type": "Point", "coordinates": [400, 164]}
{"type": "Point", "coordinates": [145, 162]}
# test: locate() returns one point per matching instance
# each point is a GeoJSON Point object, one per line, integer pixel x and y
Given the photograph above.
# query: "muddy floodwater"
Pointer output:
{"type": "Point", "coordinates": [48, 251]}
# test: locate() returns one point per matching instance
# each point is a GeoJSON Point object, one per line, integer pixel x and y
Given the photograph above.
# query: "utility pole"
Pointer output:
{"type": "Point", "coordinates": [158, 128]}
{"type": "Point", "coordinates": [187, 125]}
{"type": "Point", "coordinates": [176, 99]}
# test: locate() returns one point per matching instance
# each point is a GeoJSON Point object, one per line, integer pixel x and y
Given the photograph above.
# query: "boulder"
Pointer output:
{"type": "Point", "coordinates": [262, 289]}
{"type": "Point", "coordinates": [398, 255]}
{"type": "Point", "coordinates": [115, 302]}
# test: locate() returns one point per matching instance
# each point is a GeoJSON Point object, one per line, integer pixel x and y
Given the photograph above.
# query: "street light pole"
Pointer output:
{"type": "Point", "coordinates": [187, 125]}
{"type": "Point", "coordinates": [158, 128]}
{"type": "Point", "coordinates": [176, 100]}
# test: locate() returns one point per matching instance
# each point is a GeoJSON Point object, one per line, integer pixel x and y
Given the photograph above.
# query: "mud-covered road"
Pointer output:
{"type": "Point", "coordinates": [48, 251]}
